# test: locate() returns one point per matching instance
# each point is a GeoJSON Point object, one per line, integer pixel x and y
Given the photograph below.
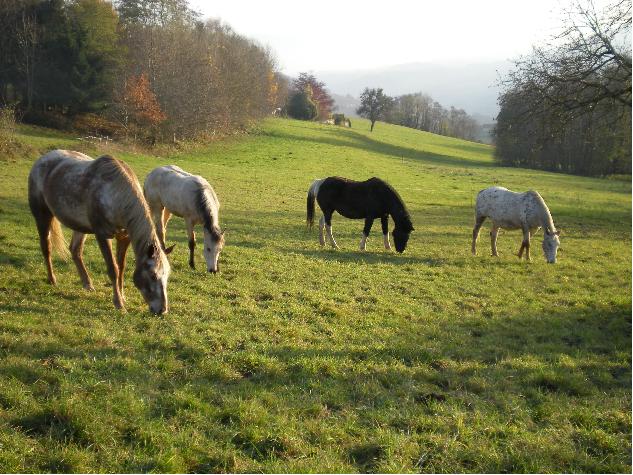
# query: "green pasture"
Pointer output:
{"type": "Point", "coordinates": [300, 359]}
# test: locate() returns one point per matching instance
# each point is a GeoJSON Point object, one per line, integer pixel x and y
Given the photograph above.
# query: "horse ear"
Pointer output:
{"type": "Point", "coordinates": [170, 249]}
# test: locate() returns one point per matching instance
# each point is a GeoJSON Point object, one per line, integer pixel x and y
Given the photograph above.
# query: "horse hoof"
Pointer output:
{"type": "Point", "coordinates": [89, 288]}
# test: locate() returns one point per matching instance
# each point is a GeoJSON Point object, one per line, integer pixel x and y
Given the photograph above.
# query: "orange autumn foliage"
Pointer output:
{"type": "Point", "coordinates": [141, 102]}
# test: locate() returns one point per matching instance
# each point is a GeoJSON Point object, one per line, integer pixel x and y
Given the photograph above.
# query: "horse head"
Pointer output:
{"type": "Point", "coordinates": [401, 237]}
{"type": "Point", "coordinates": [213, 244]}
{"type": "Point", "coordinates": [550, 245]}
{"type": "Point", "coordinates": [150, 277]}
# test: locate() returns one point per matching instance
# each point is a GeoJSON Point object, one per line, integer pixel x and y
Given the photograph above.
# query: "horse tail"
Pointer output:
{"type": "Point", "coordinates": [313, 191]}
{"type": "Point", "coordinates": [57, 239]}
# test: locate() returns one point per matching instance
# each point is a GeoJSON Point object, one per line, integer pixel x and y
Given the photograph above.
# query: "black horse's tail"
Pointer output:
{"type": "Point", "coordinates": [313, 191]}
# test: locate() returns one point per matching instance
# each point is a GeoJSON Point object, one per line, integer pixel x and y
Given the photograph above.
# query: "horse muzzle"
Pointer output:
{"type": "Point", "coordinates": [159, 309]}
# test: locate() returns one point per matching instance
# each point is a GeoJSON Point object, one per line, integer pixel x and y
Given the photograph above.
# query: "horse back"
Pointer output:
{"type": "Point", "coordinates": [355, 199]}
{"type": "Point", "coordinates": [508, 209]}
{"type": "Point", "coordinates": [56, 182]}
{"type": "Point", "coordinates": [179, 191]}
{"type": "Point", "coordinates": [84, 194]}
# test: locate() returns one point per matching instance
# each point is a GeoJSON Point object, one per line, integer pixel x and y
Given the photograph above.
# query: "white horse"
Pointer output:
{"type": "Point", "coordinates": [509, 210]}
{"type": "Point", "coordinates": [171, 190]}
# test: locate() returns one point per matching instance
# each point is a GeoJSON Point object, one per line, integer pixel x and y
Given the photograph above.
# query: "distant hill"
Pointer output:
{"type": "Point", "coordinates": [468, 86]}
{"type": "Point", "coordinates": [346, 104]}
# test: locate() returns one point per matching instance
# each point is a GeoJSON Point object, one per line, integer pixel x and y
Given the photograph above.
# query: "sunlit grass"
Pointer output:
{"type": "Point", "coordinates": [295, 358]}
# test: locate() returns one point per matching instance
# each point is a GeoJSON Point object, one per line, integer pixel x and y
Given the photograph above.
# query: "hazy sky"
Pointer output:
{"type": "Point", "coordinates": [363, 34]}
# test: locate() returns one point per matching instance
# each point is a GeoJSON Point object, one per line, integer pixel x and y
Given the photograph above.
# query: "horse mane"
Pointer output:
{"type": "Point", "coordinates": [400, 215]}
{"type": "Point", "coordinates": [546, 216]}
{"type": "Point", "coordinates": [129, 197]}
{"type": "Point", "coordinates": [203, 205]}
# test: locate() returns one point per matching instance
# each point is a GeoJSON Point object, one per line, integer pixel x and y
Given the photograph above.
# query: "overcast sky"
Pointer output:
{"type": "Point", "coordinates": [363, 34]}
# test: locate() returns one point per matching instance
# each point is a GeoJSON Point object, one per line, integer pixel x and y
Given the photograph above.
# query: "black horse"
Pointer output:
{"type": "Point", "coordinates": [366, 200]}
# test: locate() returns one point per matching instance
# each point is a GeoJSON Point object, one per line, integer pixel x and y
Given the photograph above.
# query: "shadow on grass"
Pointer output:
{"type": "Point", "coordinates": [469, 361]}
{"type": "Point", "coordinates": [341, 138]}
{"type": "Point", "coordinates": [368, 257]}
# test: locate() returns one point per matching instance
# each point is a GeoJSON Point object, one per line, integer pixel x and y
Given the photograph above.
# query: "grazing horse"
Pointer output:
{"type": "Point", "coordinates": [366, 200]}
{"type": "Point", "coordinates": [509, 210]}
{"type": "Point", "coordinates": [101, 197]}
{"type": "Point", "coordinates": [171, 190]}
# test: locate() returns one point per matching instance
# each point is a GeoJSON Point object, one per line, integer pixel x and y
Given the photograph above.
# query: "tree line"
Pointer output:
{"type": "Point", "coordinates": [417, 111]}
{"type": "Point", "coordinates": [420, 111]}
{"type": "Point", "coordinates": [309, 99]}
{"type": "Point", "coordinates": [144, 67]}
{"type": "Point", "coordinates": [567, 106]}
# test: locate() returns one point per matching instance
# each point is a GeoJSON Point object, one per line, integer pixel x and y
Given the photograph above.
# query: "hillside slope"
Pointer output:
{"type": "Point", "coordinates": [295, 358]}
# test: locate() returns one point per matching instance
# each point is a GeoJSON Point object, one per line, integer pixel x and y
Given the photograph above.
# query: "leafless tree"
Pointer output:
{"type": "Point", "coordinates": [567, 106]}
{"type": "Point", "coordinates": [27, 40]}
{"type": "Point", "coordinates": [588, 62]}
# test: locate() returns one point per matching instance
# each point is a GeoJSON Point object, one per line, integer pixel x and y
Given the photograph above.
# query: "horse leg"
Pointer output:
{"type": "Point", "coordinates": [166, 218]}
{"type": "Point", "coordinates": [384, 222]}
{"type": "Point", "coordinates": [479, 220]}
{"type": "Point", "coordinates": [328, 227]}
{"type": "Point", "coordinates": [322, 231]}
{"type": "Point", "coordinates": [366, 230]}
{"type": "Point", "coordinates": [526, 241]}
{"type": "Point", "coordinates": [105, 245]}
{"type": "Point", "coordinates": [493, 239]}
{"type": "Point", "coordinates": [122, 244]}
{"type": "Point", "coordinates": [44, 221]}
{"type": "Point", "coordinates": [77, 250]}
{"type": "Point", "coordinates": [159, 222]}
{"type": "Point", "coordinates": [192, 242]}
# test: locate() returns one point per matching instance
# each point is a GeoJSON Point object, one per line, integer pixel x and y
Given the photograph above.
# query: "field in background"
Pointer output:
{"type": "Point", "coordinates": [294, 358]}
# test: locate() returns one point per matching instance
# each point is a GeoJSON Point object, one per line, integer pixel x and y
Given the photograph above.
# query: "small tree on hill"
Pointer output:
{"type": "Point", "coordinates": [318, 93]}
{"type": "Point", "coordinates": [300, 106]}
{"type": "Point", "coordinates": [374, 104]}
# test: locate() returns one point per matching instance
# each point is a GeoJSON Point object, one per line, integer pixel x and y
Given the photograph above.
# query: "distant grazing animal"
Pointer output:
{"type": "Point", "coordinates": [367, 200]}
{"type": "Point", "coordinates": [510, 210]}
{"type": "Point", "coordinates": [101, 197]}
{"type": "Point", "coordinates": [171, 190]}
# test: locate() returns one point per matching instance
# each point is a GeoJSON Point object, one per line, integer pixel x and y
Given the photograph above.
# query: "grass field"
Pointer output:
{"type": "Point", "coordinates": [300, 359]}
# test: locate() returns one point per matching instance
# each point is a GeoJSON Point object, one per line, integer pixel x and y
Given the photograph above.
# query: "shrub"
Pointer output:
{"type": "Point", "coordinates": [7, 121]}
{"type": "Point", "coordinates": [51, 119]}
{"type": "Point", "coordinates": [95, 124]}
{"type": "Point", "coordinates": [10, 147]}
{"type": "Point", "coordinates": [301, 107]}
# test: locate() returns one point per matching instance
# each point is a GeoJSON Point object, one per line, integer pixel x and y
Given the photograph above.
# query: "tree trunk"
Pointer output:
{"type": "Point", "coordinates": [372, 125]}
